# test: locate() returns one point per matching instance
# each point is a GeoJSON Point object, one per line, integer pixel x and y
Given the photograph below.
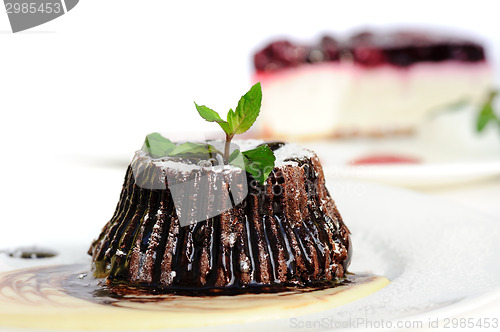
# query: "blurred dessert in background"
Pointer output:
{"type": "Point", "coordinates": [371, 84]}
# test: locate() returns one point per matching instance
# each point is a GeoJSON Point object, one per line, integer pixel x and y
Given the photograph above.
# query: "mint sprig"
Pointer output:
{"type": "Point", "coordinates": [487, 114]}
{"type": "Point", "coordinates": [238, 121]}
{"type": "Point", "coordinates": [259, 162]}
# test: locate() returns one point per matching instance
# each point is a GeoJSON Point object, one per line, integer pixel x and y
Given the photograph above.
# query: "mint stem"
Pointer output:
{"type": "Point", "coordinates": [227, 148]}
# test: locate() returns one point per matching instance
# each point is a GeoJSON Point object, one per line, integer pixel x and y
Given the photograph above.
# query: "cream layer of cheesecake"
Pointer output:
{"type": "Point", "coordinates": [344, 99]}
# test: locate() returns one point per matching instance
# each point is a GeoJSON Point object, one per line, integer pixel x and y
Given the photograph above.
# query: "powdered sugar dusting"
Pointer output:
{"type": "Point", "coordinates": [282, 154]}
{"type": "Point", "coordinates": [287, 151]}
{"type": "Point", "coordinates": [290, 150]}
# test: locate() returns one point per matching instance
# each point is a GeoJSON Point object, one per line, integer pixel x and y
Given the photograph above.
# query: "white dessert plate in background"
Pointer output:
{"type": "Point", "coordinates": [436, 166]}
{"type": "Point", "coordinates": [447, 146]}
{"type": "Point", "coordinates": [441, 258]}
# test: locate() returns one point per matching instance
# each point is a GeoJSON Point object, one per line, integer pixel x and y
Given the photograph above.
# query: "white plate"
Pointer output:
{"type": "Point", "coordinates": [440, 258]}
{"type": "Point", "coordinates": [448, 147]}
{"type": "Point", "coordinates": [438, 165]}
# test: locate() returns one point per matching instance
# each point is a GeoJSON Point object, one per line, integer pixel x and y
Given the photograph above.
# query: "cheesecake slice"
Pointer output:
{"type": "Point", "coordinates": [369, 85]}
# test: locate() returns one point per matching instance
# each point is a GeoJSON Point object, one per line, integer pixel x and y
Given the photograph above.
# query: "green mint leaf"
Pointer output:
{"type": "Point", "coordinates": [246, 112]}
{"type": "Point", "coordinates": [195, 150]}
{"type": "Point", "coordinates": [234, 155]}
{"type": "Point", "coordinates": [237, 159]}
{"type": "Point", "coordinates": [212, 116]}
{"type": "Point", "coordinates": [157, 146]}
{"type": "Point", "coordinates": [208, 114]}
{"type": "Point", "coordinates": [225, 127]}
{"type": "Point", "coordinates": [487, 115]}
{"type": "Point", "coordinates": [259, 162]}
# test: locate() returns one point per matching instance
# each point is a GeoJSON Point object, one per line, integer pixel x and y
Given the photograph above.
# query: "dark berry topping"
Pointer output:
{"type": "Point", "coordinates": [280, 54]}
{"type": "Point", "coordinates": [330, 48]}
{"type": "Point", "coordinates": [364, 37]}
{"type": "Point", "coordinates": [369, 56]}
{"type": "Point", "coordinates": [400, 49]}
{"type": "Point", "coordinates": [467, 52]}
{"type": "Point", "coordinates": [405, 56]}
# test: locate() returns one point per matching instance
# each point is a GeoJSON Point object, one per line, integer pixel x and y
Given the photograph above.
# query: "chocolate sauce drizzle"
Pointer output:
{"type": "Point", "coordinates": [50, 286]}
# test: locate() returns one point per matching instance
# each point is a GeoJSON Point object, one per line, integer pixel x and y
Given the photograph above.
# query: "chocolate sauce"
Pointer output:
{"type": "Point", "coordinates": [274, 145]}
{"type": "Point", "coordinates": [42, 284]}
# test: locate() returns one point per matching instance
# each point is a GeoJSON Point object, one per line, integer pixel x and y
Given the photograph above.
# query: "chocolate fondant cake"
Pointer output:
{"type": "Point", "coordinates": [247, 237]}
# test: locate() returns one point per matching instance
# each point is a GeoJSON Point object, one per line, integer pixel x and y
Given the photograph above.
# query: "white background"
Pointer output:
{"type": "Point", "coordinates": [78, 94]}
